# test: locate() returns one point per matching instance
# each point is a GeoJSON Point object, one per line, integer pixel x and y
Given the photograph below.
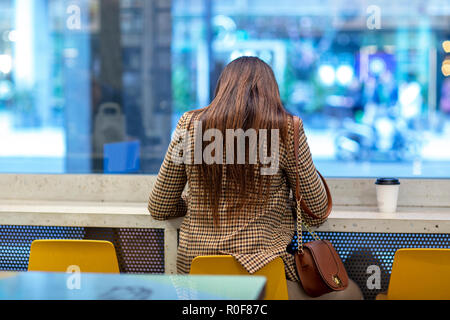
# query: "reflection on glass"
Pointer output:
{"type": "Point", "coordinates": [98, 85]}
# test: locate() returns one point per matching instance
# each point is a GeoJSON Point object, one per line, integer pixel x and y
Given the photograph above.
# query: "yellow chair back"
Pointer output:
{"type": "Point", "coordinates": [276, 287]}
{"type": "Point", "coordinates": [87, 255]}
{"type": "Point", "coordinates": [419, 274]}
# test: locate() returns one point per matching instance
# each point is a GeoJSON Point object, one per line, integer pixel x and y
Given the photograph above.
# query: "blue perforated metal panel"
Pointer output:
{"type": "Point", "coordinates": [15, 243]}
{"type": "Point", "coordinates": [142, 250]}
{"type": "Point", "coordinates": [138, 250]}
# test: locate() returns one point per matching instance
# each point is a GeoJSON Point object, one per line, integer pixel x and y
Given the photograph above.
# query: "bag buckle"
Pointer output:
{"type": "Point", "coordinates": [337, 280]}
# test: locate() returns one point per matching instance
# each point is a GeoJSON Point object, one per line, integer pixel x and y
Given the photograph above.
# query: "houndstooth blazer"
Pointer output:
{"type": "Point", "coordinates": [256, 236]}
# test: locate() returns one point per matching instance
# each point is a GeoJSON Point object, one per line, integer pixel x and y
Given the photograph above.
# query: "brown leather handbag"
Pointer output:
{"type": "Point", "coordinates": [318, 264]}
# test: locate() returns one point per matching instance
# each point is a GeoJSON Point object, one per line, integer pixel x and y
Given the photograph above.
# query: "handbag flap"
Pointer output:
{"type": "Point", "coordinates": [328, 263]}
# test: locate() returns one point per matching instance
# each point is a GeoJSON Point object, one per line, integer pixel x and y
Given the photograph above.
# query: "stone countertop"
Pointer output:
{"type": "Point", "coordinates": [135, 215]}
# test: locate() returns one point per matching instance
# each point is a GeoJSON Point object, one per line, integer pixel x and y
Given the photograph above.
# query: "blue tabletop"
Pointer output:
{"type": "Point", "coordinates": [89, 286]}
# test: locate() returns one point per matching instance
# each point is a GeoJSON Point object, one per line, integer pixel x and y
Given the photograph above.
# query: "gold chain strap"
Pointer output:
{"type": "Point", "coordinates": [299, 229]}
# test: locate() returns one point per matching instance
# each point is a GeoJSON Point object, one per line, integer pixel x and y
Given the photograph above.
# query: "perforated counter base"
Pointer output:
{"type": "Point", "coordinates": [142, 250]}
{"type": "Point", "coordinates": [138, 250]}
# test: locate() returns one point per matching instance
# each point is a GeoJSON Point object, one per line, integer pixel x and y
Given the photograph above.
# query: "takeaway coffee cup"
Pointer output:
{"type": "Point", "coordinates": [387, 194]}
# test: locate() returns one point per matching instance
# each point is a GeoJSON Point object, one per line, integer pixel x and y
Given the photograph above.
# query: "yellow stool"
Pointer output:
{"type": "Point", "coordinates": [59, 255]}
{"type": "Point", "coordinates": [276, 287]}
{"type": "Point", "coordinates": [419, 274]}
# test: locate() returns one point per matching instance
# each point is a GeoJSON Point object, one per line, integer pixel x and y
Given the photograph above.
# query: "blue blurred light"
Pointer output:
{"type": "Point", "coordinates": [377, 65]}
{"type": "Point", "coordinates": [344, 74]}
{"type": "Point", "coordinates": [6, 63]}
{"type": "Point", "coordinates": [6, 90]}
{"type": "Point", "coordinates": [327, 74]}
{"type": "Point", "coordinates": [235, 54]}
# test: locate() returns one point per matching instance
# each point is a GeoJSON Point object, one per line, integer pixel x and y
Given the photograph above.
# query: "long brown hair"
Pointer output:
{"type": "Point", "coordinates": [246, 96]}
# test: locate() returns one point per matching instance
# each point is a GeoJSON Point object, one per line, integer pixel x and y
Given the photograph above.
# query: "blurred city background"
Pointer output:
{"type": "Point", "coordinates": [97, 86]}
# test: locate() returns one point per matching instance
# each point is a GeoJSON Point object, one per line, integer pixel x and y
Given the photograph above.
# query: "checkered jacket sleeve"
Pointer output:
{"type": "Point", "coordinates": [166, 199]}
{"type": "Point", "coordinates": [312, 189]}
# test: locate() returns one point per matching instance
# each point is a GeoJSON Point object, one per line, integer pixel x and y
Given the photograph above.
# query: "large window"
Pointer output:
{"type": "Point", "coordinates": [97, 86]}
